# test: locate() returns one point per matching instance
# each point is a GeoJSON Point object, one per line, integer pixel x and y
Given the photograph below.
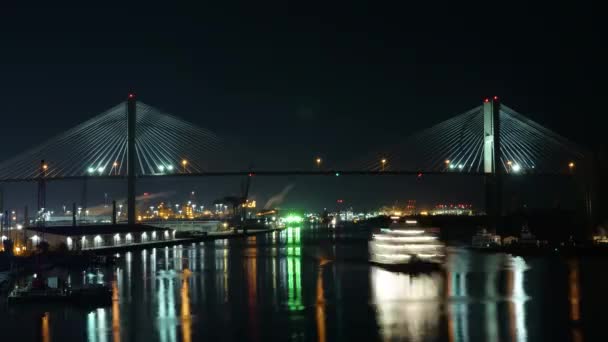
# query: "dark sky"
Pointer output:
{"type": "Point", "coordinates": [297, 78]}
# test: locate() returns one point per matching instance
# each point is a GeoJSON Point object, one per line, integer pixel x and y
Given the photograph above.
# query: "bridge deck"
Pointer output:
{"type": "Point", "coordinates": [333, 173]}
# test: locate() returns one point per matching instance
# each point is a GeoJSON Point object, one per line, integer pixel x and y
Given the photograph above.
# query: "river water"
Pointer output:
{"type": "Point", "coordinates": [308, 284]}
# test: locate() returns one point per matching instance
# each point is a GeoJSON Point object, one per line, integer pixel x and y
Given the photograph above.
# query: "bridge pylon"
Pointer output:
{"type": "Point", "coordinates": [131, 162]}
{"type": "Point", "coordinates": [492, 161]}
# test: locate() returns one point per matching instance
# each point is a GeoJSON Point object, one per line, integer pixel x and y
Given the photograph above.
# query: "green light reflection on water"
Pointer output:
{"type": "Point", "coordinates": [294, 269]}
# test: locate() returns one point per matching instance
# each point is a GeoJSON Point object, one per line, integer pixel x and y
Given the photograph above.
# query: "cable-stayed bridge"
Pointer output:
{"type": "Point", "coordinates": [134, 140]}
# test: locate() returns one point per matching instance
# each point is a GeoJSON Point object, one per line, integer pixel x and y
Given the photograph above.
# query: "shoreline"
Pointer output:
{"type": "Point", "coordinates": [179, 241]}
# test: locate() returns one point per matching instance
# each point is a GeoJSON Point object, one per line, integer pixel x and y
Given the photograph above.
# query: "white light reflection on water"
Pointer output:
{"type": "Point", "coordinates": [128, 268]}
{"type": "Point", "coordinates": [167, 320]}
{"type": "Point", "coordinates": [460, 266]}
{"type": "Point", "coordinates": [408, 306]}
{"type": "Point", "coordinates": [144, 263]}
{"type": "Point", "coordinates": [517, 299]}
{"type": "Point", "coordinates": [491, 295]}
{"type": "Point", "coordinates": [97, 331]}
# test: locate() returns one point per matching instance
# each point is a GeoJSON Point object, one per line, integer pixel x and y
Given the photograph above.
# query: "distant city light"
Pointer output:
{"type": "Point", "coordinates": [170, 167]}
{"type": "Point", "coordinates": [161, 168]}
{"type": "Point", "coordinates": [91, 170]}
{"type": "Point", "coordinates": [293, 218]}
{"type": "Point", "coordinates": [516, 168]}
{"type": "Point", "coordinates": [100, 169]}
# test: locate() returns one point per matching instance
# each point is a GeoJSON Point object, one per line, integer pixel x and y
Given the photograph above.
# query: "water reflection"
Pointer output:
{"type": "Point", "coordinates": [408, 306]}
{"type": "Point", "coordinates": [293, 271]}
{"type": "Point", "coordinates": [45, 331]}
{"type": "Point", "coordinates": [96, 325]}
{"type": "Point", "coordinates": [186, 319]}
{"type": "Point", "coordinates": [276, 287]}
{"type": "Point", "coordinates": [456, 294]}
{"type": "Point", "coordinates": [574, 297]}
{"type": "Point", "coordinates": [115, 310]}
{"type": "Point", "coordinates": [167, 320]}
{"type": "Point", "coordinates": [252, 286]}
{"type": "Point", "coordinates": [517, 299]}
{"type": "Point", "coordinates": [320, 306]}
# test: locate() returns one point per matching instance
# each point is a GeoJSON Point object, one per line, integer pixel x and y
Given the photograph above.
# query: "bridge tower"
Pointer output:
{"type": "Point", "coordinates": [492, 160]}
{"type": "Point", "coordinates": [131, 163]}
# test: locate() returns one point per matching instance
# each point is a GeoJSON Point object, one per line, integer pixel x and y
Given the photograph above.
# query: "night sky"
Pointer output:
{"type": "Point", "coordinates": [298, 79]}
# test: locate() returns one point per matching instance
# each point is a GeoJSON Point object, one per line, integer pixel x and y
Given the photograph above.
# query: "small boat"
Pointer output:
{"type": "Point", "coordinates": [50, 290]}
{"type": "Point", "coordinates": [485, 240]}
{"type": "Point", "coordinates": [38, 290]}
{"type": "Point", "coordinates": [407, 247]}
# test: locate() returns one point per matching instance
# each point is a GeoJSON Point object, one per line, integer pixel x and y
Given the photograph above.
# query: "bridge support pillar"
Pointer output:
{"type": "Point", "coordinates": [42, 193]}
{"type": "Point", "coordinates": [131, 166]}
{"type": "Point", "coordinates": [74, 214]}
{"type": "Point", "coordinates": [114, 212]}
{"type": "Point", "coordinates": [492, 161]}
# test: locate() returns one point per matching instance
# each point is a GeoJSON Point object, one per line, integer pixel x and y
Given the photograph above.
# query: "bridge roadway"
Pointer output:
{"type": "Point", "coordinates": [333, 173]}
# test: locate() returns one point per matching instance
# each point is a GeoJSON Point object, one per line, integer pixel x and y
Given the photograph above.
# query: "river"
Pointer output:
{"type": "Point", "coordinates": [306, 284]}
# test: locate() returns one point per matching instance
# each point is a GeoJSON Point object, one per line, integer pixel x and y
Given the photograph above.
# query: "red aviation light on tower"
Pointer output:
{"type": "Point", "coordinates": [131, 95]}
{"type": "Point", "coordinates": [486, 100]}
{"type": "Point", "coordinates": [495, 98]}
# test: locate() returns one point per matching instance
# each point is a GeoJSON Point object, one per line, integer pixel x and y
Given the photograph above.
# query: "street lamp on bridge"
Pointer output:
{"type": "Point", "coordinates": [318, 161]}
{"type": "Point", "coordinates": [383, 162]}
{"type": "Point", "coordinates": [184, 164]}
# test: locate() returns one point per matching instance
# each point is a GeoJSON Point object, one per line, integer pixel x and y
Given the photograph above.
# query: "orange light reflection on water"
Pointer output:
{"type": "Point", "coordinates": [46, 334]}
{"type": "Point", "coordinates": [320, 307]}
{"type": "Point", "coordinates": [115, 312]}
{"type": "Point", "coordinates": [574, 296]}
{"type": "Point", "coordinates": [186, 318]}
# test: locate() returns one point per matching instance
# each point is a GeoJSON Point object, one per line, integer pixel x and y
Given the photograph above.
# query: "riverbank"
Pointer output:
{"type": "Point", "coordinates": [209, 237]}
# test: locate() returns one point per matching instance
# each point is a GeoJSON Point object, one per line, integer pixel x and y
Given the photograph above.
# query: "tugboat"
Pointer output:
{"type": "Point", "coordinates": [485, 240]}
{"type": "Point", "coordinates": [39, 290]}
{"type": "Point", "coordinates": [527, 244]}
{"type": "Point", "coordinates": [407, 248]}
{"type": "Point", "coordinates": [50, 290]}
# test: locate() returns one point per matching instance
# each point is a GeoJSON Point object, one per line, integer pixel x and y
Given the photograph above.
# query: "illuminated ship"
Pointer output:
{"type": "Point", "coordinates": [403, 246]}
